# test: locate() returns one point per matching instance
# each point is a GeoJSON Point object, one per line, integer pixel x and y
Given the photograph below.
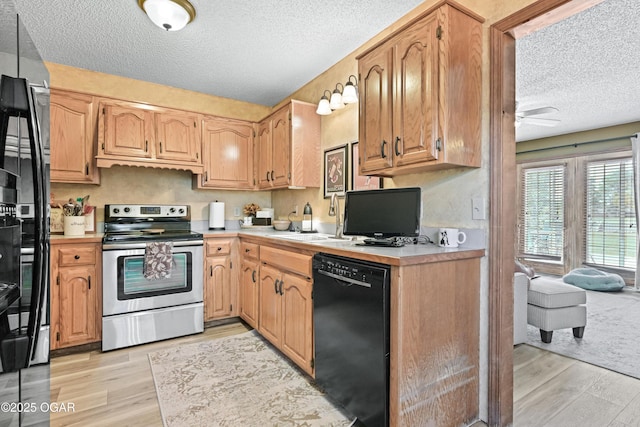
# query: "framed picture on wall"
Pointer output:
{"type": "Point", "coordinates": [361, 182]}
{"type": "Point", "coordinates": [336, 170]}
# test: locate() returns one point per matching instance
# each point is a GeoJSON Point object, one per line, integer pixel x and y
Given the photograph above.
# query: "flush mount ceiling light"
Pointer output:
{"type": "Point", "coordinates": [170, 15]}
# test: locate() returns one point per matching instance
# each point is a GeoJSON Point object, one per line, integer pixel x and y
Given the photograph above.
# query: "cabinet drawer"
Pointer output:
{"type": "Point", "coordinates": [77, 255]}
{"type": "Point", "coordinates": [250, 250]}
{"type": "Point", "coordinates": [218, 247]}
{"type": "Point", "coordinates": [287, 260]}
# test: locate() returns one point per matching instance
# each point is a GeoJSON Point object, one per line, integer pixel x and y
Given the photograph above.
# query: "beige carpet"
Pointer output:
{"type": "Point", "coordinates": [236, 381]}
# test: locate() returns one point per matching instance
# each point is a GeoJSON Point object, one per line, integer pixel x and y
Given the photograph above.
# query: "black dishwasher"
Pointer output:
{"type": "Point", "coordinates": [351, 327]}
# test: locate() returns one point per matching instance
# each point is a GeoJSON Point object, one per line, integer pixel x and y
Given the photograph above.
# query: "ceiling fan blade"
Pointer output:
{"type": "Point", "coordinates": [537, 111]}
{"type": "Point", "coordinates": [536, 121]}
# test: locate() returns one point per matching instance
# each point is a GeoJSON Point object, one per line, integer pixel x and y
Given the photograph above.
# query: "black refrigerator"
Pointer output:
{"type": "Point", "coordinates": [24, 227]}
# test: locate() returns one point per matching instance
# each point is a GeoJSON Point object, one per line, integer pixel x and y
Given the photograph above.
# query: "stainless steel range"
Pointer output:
{"type": "Point", "coordinates": [152, 275]}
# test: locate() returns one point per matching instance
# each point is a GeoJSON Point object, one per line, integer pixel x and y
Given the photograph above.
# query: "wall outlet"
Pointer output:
{"type": "Point", "coordinates": [236, 211]}
{"type": "Point", "coordinates": [477, 208]}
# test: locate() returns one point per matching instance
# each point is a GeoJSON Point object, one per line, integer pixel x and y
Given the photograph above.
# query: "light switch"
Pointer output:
{"type": "Point", "coordinates": [477, 208]}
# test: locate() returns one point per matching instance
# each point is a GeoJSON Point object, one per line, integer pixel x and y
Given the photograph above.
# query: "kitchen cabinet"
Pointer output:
{"type": "Point", "coordinates": [134, 134]}
{"type": "Point", "coordinates": [73, 120]}
{"type": "Point", "coordinates": [288, 145]}
{"type": "Point", "coordinates": [420, 96]}
{"type": "Point", "coordinates": [285, 304]}
{"type": "Point", "coordinates": [75, 294]}
{"type": "Point", "coordinates": [227, 147]}
{"type": "Point", "coordinates": [249, 279]}
{"type": "Point", "coordinates": [220, 282]}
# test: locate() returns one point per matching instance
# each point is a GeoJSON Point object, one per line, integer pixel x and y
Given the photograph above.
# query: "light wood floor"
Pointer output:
{"type": "Point", "coordinates": [116, 388]}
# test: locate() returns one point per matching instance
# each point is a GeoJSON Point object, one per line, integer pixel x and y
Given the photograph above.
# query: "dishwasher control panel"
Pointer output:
{"type": "Point", "coordinates": [350, 270]}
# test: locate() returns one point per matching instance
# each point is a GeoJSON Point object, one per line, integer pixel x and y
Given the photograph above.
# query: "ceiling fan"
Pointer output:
{"type": "Point", "coordinates": [527, 116]}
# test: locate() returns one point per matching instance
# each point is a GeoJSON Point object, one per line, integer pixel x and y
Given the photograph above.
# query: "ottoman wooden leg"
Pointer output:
{"type": "Point", "coordinates": [546, 336]}
{"type": "Point", "coordinates": [578, 332]}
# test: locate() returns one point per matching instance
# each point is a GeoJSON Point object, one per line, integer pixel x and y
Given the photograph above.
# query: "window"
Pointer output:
{"type": "Point", "coordinates": [610, 222]}
{"type": "Point", "coordinates": [578, 211]}
{"type": "Point", "coordinates": [542, 212]}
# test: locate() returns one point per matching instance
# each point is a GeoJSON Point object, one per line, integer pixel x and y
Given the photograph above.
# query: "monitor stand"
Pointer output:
{"type": "Point", "coordinates": [390, 242]}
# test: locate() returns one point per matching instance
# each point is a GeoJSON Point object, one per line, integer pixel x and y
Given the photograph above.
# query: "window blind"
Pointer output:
{"type": "Point", "coordinates": [610, 223]}
{"type": "Point", "coordinates": [542, 214]}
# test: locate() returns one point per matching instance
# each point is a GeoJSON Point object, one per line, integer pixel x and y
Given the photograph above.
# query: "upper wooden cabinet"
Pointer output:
{"type": "Point", "coordinates": [73, 138]}
{"type": "Point", "coordinates": [420, 96]}
{"type": "Point", "coordinates": [227, 147]}
{"type": "Point", "coordinates": [289, 147]}
{"type": "Point", "coordinates": [142, 135]}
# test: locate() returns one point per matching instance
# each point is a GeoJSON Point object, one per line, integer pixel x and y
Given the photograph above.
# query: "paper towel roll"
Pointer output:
{"type": "Point", "coordinates": [216, 216]}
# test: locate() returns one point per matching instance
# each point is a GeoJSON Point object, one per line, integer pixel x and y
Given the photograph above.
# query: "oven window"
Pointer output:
{"type": "Point", "coordinates": [132, 284]}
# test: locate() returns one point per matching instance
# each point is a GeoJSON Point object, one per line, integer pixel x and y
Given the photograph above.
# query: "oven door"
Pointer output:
{"type": "Point", "coordinates": [126, 290]}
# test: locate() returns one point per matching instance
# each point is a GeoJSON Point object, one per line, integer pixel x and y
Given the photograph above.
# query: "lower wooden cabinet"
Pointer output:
{"type": "Point", "coordinates": [249, 283]}
{"type": "Point", "coordinates": [76, 294]}
{"type": "Point", "coordinates": [285, 304]}
{"type": "Point", "coordinates": [220, 282]}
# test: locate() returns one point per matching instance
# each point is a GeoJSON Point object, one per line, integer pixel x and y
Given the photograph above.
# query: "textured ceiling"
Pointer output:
{"type": "Point", "coordinates": [587, 66]}
{"type": "Point", "coordinates": [255, 51]}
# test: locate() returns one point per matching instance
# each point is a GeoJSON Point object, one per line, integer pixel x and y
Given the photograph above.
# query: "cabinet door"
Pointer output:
{"type": "Point", "coordinates": [375, 110]}
{"type": "Point", "coordinates": [228, 154]}
{"type": "Point", "coordinates": [281, 140]}
{"type": "Point", "coordinates": [415, 116]}
{"type": "Point", "coordinates": [177, 136]}
{"type": "Point", "coordinates": [77, 301]}
{"type": "Point", "coordinates": [249, 292]}
{"type": "Point", "coordinates": [217, 288]}
{"type": "Point", "coordinates": [128, 131]}
{"type": "Point", "coordinates": [270, 323]}
{"type": "Point", "coordinates": [72, 138]}
{"type": "Point", "coordinates": [297, 319]}
{"type": "Point", "coordinates": [265, 154]}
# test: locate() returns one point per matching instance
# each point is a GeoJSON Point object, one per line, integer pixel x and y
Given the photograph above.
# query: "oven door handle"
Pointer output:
{"type": "Point", "coordinates": [127, 246]}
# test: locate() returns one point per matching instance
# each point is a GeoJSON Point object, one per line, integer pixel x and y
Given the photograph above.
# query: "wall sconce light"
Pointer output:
{"type": "Point", "coordinates": [350, 94]}
{"type": "Point", "coordinates": [170, 15]}
{"type": "Point", "coordinates": [323, 106]}
{"type": "Point", "coordinates": [336, 98]}
{"type": "Point", "coordinates": [347, 94]}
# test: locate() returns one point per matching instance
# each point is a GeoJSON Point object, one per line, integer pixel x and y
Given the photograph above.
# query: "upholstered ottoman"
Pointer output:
{"type": "Point", "coordinates": [552, 304]}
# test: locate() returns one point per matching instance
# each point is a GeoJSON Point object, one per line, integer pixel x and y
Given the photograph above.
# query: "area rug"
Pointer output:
{"type": "Point", "coordinates": [611, 338]}
{"type": "Point", "coordinates": [237, 381]}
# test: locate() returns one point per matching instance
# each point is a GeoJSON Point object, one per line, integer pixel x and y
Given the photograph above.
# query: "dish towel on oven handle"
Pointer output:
{"type": "Point", "coordinates": [158, 260]}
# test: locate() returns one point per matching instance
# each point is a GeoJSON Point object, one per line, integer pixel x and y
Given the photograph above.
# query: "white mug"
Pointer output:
{"type": "Point", "coordinates": [248, 220]}
{"type": "Point", "coordinates": [451, 237]}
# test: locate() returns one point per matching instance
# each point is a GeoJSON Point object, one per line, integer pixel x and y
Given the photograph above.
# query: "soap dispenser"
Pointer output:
{"type": "Point", "coordinates": [307, 218]}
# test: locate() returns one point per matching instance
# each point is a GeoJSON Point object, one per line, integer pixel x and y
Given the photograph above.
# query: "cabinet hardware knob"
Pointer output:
{"type": "Point", "coordinates": [89, 281]}
{"type": "Point", "coordinates": [281, 283]}
{"type": "Point", "coordinates": [211, 270]}
{"type": "Point", "coordinates": [271, 175]}
{"type": "Point", "coordinates": [76, 257]}
{"type": "Point", "coordinates": [396, 147]}
{"type": "Point", "coordinates": [206, 176]}
{"type": "Point", "coordinates": [161, 146]}
{"type": "Point", "coordinates": [253, 276]}
{"type": "Point", "coordinates": [146, 145]}
{"type": "Point", "coordinates": [219, 248]}
{"type": "Point", "coordinates": [247, 250]}
{"type": "Point", "coordinates": [275, 285]}
{"type": "Point", "coordinates": [382, 153]}
{"type": "Point", "coordinates": [268, 176]}
{"type": "Point", "coordinates": [86, 169]}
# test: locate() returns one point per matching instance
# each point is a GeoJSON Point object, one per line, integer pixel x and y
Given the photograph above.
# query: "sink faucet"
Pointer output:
{"type": "Point", "coordinates": [334, 210]}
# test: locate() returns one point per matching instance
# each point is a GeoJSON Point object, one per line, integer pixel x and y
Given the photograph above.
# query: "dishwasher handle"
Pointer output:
{"type": "Point", "coordinates": [344, 279]}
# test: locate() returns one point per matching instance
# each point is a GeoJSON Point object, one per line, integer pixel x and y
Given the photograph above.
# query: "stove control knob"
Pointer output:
{"type": "Point", "coordinates": [116, 210]}
{"type": "Point", "coordinates": [127, 210]}
{"type": "Point", "coordinates": [172, 210]}
{"type": "Point", "coordinates": [181, 211]}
